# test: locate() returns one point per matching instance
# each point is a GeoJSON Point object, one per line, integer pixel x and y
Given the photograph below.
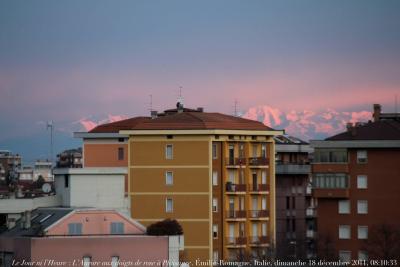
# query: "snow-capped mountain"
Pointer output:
{"type": "Point", "coordinates": [306, 124]}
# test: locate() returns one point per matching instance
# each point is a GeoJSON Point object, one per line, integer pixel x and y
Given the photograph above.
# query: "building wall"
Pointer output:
{"type": "Point", "coordinates": [92, 190]}
{"type": "Point", "coordinates": [383, 172]}
{"type": "Point", "coordinates": [100, 248]}
{"type": "Point", "coordinates": [94, 222]}
{"type": "Point", "coordinates": [190, 191]}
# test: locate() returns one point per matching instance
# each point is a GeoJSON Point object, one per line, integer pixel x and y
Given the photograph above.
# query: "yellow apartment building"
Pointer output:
{"type": "Point", "coordinates": [213, 173]}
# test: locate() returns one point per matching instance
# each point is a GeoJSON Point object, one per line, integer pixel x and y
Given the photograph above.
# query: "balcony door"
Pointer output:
{"type": "Point", "coordinates": [231, 154]}
{"type": "Point", "coordinates": [264, 177]}
{"type": "Point", "coordinates": [231, 231]}
{"type": "Point", "coordinates": [255, 232]}
{"type": "Point", "coordinates": [264, 229]}
{"type": "Point", "coordinates": [254, 181]}
{"type": "Point", "coordinates": [264, 203]}
{"type": "Point", "coordinates": [254, 208]}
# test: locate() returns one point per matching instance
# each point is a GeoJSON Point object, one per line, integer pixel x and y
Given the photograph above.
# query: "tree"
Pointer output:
{"type": "Point", "coordinates": [165, 227]}
{"type": "Point", "coordinates": [39, 182]}
{"type": "Point", "coordinates": [326, 248]}
{"type": "Point", "coordinates": [383, 242]}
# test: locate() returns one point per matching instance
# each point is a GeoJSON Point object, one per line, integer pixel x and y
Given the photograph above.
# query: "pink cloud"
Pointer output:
{"type": "Point", "coordinates": [89, 124]}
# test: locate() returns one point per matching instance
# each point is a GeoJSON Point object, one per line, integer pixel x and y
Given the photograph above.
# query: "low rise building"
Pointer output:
{"type": "Point", "coordinates": [89, 236]}
{"type": "Point", "coordinates": [71, 158]}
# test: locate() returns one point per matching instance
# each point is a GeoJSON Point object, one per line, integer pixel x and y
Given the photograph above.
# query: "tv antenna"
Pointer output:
{"type": "Point", "coordinates": [51, 127]}
{"type": "Point", "coordinates": [151, 103]}
{"type": "Point", "coordinates": [235, 108]}
{"type": "Point", "coordinates": [180, 98]}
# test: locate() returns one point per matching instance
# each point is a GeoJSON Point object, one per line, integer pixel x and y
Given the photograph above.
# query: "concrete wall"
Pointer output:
{"type": "Point", "coordinates": [92, 187]}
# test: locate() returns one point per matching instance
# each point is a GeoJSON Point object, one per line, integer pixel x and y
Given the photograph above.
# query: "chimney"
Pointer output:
{"type": "Point", "coordinates": [349, 126]}
{"type": "Point", "coordinates": [153, 114]}
{"type": "Point", "coordinates": [179, 107]}
{"type": "Point", "coordinates": [377, 112]}
{"type": "Point", "coordinates": [200, 109]}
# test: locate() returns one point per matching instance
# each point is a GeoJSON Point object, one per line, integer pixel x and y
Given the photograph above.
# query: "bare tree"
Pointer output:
{"type": "Point", "coordinates": [383, 242]}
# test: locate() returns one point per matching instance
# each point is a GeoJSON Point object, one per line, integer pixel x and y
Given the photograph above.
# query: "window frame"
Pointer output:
{"type": "Point", "coordinates": [360, 178]}
{"type": "Point", "coordinates": [166, 151]}
{"type": "Point", "coordinates": [167, 182]}
{"type": "Point", "coordinates": [359, 203]}
{"type": "Point", "coordinates": [214, 151]}
{"type": "Point", "coordinates": [341, 233]}
{"type": "Point", "coordinates": [361, 228]}
{"type": "Point", "coordinates": [361, 160]}
{"type": "Point", "coordinates": [169, 200]}
{"type": "Point", "coordinates": [118, 227]}
{"type": "Point", "coordinates": [121, 153]}
{"type": "Point", "coordinates": [340, 211]}
{"type": "Point", "coordinates": [215, 178]}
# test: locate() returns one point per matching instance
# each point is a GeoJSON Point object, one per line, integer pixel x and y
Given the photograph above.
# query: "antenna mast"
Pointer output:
{"type": "Point", "coordinates": [151, 103]}
{"type": "Point", "coordinates": [50, 125]}
{"type": "Point", "coordinates": [235, 107]}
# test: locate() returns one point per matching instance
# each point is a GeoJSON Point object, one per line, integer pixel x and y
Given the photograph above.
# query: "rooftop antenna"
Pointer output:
{"type": "Point", "coordinates": [51, 126]}
{"type": "Point", "coordinates": [235, 107]}
{"type": "Point", "coordinates": [180, 98]}
{"type": "Point", "coordinates": [151, 103]}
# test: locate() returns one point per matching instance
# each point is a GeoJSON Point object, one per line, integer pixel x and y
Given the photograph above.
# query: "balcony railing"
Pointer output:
{"type": "Point", "coordinates": [258, 161]}
{"type": "Point", "coordinates": [292, 168]}
{"type": "Point", "coordinates": [236, 240]}
{"type": "Point", "coordinates": [259, 187]}
{"type": "Point", "coordinates": [259, 213]}
{"type": "Point", "coordinates": [310, 234]}
{"type": "Point", "coordinates": [258, 240]}
{"type": "Point", "coordinates": [235, 214]}
{"type": "Point", "coordinates": [311, 212]}
{"type": "Point", "coordinates": [235, 161]}
{"type": "Point", "coordinates": [231, 187]}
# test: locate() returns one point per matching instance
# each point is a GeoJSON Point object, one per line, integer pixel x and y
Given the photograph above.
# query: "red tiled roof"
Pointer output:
{"type": "Point", "coordinates": [200, 121]}
{"type": "Point", "coordinates": [379, 130]}
{"type": "Point", "coordinates": [115, 127]}
{"type": "Point", "coordinates": [184, 121]}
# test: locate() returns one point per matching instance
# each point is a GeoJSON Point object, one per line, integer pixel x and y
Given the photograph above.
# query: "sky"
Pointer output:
{"type": "Point", "coordinates": [89, 61]}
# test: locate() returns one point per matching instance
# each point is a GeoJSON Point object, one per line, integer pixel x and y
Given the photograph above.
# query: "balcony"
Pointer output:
{"type": "Point", "coordinates": [292, 168]}
{"type": "Point", "coordinates": [308, 190]}
{"type": "Point", "coordinates": [258, 214]}
{"type": "Point", "coordinates": [258, 162]}
{"type": "Point", "coordinates": [235, 162]}
{"type": "Point", "coordinates": [258, 240]}
{"type": "Point", "coordinates": [311, 234]}
{"type": "Point", "coordinates": [236, 241]}
{"type": "Point", "coordinates": [331, 193]}
{"type": "Point", "coordinates": [235, 214]}
{"type": "Point", "coordinates": [235, 188]}
{"type": "Point", "coordinates": [311, 213]}
{"type": "Point", "coordinates": [258, 188]}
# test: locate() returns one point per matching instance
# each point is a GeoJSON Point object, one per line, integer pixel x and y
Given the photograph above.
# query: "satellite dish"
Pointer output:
{"type": "Point", "coordinates": [46, 188]}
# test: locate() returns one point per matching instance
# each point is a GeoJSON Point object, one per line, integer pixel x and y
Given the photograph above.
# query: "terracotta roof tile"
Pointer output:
{"type": "Point", "coordinates": [183, 121]}
{"type": "Point", "coordinates": [379, 130]}
{"type": "Point", "coordinates": [115, 127]}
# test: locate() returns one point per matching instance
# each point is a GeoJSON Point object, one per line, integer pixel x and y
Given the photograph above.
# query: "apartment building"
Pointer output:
{"type": "Point", "coordinates": [213, 173]}
{"type": "Point", "coordinates": [357, 187]}
{"type": "Point", "coordinates": [104, 146]}
{"type": "Point", "coordinates": [295, 208]}
{"type": "Point", "coordinates": [70, 158]}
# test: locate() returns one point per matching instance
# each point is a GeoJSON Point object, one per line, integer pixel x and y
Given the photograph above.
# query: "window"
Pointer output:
{"type": "Point", "coordinates": [362, 156]}
{"type": "Point", "coordinates": [287, 203]}
{"type": "Point", "coordinates": [215, 231]}
{"type": "Point", "coordinates": [344, 231]}
{"type": "Point", "coordinates": [362, 232]}
{"type": "Point", "coordinates": [120, 153]}
{"type": "Point", "coordinates": [215, 255]}
{"type": "Point", "coordinates": [74, 228]}
{"type": "Point", "coordinates": [169, 205]}
{"type": "Point", "coordinates": [330, 155]}
{"type": "Point", "coordinates": [66, 181]}
{"type": "Point", "coordinates": [86, 261]}
{"type": "Point", "coordinates": [215, 178]}
{"type": "Point", "coordinates": [344, 207]}
{"type": "Point", "coordinates": [169, 178]}
{"type": "Point", "coordinates": [116, 228]}
{"type": "Point", "coordinates": [169, 152]}
{"type": "Point", "coordinates": [330, 180]}
{"type": "Point", "coordinates": [362, 206]}
{"type": "Point", "coordinates": [215, 204]}
{"type": "Point", "coordinates": [362, 182]}
{"type": "Point", "coordinates": [214, 151]}
{"type": "Point", "coordinates": [114, 261]}
{"type": "Point", "coordinates": [345, 255]}
{"type": "Point", "coordinates": [362, 255]}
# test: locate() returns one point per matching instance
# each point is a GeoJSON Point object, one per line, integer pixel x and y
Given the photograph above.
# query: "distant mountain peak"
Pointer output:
{"type": "Point", "coordinates": [306, 124]}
